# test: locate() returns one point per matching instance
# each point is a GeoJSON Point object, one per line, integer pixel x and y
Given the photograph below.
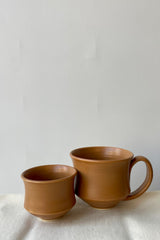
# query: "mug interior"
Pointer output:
{"type": "Point", "coordinates": [101, 153]}
{"type": "Point", "coordinates": [48, 172]}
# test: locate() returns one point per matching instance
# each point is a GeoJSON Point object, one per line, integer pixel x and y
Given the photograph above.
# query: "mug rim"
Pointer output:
{"type": "Point", "coordinates": [25, 179]}
{"type": "Point", "coordinates": [72, 155]}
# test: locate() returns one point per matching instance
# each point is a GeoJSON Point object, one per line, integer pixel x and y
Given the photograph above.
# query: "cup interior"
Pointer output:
{"type": "Point", "coordinates": [48, 172]}
{"type": "Point", "coordinates": [101, 153]}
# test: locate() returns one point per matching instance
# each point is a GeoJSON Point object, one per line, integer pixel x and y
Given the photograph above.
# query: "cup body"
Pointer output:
{"type": "Point", "coordinates": [49, 190]}
{"type": "Point", "coordinates": [103, 175]}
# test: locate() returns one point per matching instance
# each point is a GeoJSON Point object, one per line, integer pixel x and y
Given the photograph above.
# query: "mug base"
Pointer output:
{"type": "Point", "coordinates": [101, 205]}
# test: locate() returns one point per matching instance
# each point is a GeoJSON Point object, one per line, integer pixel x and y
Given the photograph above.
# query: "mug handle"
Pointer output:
{"type": "Point", "coordinates": [149, 175]}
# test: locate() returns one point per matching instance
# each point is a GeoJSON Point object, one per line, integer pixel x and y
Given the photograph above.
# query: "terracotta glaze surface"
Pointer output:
{"type": "Point", "coordinates": [49, 190]}
{"type": "Point", "coordinates": [103, 177]}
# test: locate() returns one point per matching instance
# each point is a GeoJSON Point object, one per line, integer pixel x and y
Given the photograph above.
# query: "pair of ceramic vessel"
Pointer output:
{"type": "Point", "coordinates": [103, 179]}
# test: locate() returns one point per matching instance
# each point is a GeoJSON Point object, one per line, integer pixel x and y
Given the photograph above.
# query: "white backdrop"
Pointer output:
{"type": "Point", "coordinates": [77, 73]}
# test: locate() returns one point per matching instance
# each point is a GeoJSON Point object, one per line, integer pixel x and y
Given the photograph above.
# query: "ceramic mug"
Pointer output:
{"type": "Point", "coordinates": [49, 190]}
{"type": "Point", "coordinates": [104, 175]}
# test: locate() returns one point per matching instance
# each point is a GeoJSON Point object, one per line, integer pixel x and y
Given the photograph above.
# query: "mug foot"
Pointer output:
{"type": "Point", "coordinates": [102, 205]}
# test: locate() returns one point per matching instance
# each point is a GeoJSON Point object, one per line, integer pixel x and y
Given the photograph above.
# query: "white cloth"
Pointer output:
{"type": "Point", "coordinates": [135, 219]}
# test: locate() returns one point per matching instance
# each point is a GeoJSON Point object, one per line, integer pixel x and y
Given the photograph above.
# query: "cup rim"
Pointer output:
{"type": "Point", "coordinates": [25, 179]}
{"type": "Point", "coordinates": [72, 155]}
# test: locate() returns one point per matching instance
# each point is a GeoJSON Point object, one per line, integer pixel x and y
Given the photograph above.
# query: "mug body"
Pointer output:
{"type": "Point", "coordinates": [49, 190]}
{"type": "Point", "coordinates": [103, 175]}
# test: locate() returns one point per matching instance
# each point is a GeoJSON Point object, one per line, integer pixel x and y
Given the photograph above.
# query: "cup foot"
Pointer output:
{"type": "Point", "coordinates": [50, 217]}
{"type": "Point", "coordinates": [44, 220]}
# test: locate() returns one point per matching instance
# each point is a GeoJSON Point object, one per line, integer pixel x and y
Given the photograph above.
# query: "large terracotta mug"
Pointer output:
{"type": "Point", "coordinates": [104, 175]}
{"type": "Point", "coordinates": [49, 190]}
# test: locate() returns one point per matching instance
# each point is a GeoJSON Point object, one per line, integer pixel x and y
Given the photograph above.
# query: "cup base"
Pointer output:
{"type": "Point", "coordinates": [50, 217]}
{"type": "Point", "coordinates": [48, 221]}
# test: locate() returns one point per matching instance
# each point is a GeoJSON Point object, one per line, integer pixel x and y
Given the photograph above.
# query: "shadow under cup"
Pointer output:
{"type": "Point", "coordinates": [104, 175]}
{"type": "Point", "coordinates": [49, 190]}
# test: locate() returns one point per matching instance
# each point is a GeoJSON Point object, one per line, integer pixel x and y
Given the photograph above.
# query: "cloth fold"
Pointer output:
{"type": "Point", "coordinates": [129, 220]}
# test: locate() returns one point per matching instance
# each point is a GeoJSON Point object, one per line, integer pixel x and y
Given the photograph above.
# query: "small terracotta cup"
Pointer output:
{"type": "Point", "coordinates": [49, 190]}
{"type": "Point", "coordinates": [104, 175]}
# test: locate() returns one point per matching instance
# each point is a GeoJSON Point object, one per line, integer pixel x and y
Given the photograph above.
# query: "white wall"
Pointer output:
{"type": "Point", "coordinates": [77, 73]}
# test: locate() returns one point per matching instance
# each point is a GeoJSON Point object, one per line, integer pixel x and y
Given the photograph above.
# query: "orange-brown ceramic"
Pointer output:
{"type": "Point", "coordinates": [104, 175]}
{"type": "Point", "coordinates": [49, 190]}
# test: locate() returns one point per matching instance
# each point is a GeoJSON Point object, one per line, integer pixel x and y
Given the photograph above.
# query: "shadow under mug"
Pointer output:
{"type": "Point", "coordinates": [103, 177]}
{"type": "Point", "coordinates": [49, 190]}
